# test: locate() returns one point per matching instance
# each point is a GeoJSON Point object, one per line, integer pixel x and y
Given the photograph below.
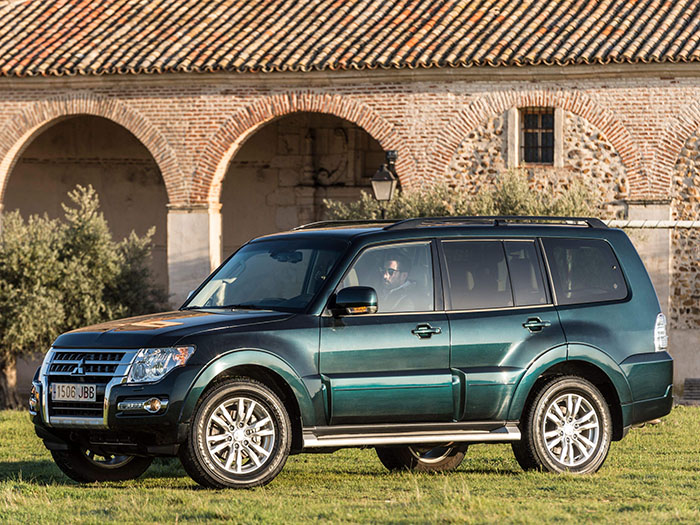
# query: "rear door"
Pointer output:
{"type": "Point", "coordinates": [392, 366]}
{"type": "Point", "coordinates": [501, 318]}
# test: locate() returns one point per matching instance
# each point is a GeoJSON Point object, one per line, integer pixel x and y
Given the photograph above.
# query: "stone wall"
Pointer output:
{"type": "Point", "coordinates": [685, 244]}
{"type": "Point", "coordinates": [587, 156]}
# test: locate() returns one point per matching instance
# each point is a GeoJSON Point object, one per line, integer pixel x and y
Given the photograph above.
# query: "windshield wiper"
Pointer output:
{"type": "Point", "coordinates": [228, 307]}
{"type": "Point", "coordinates": [245, 307]}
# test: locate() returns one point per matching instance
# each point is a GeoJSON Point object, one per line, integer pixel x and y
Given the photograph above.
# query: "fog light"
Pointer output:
{"type": "Point", "coordinates": [153, 405]}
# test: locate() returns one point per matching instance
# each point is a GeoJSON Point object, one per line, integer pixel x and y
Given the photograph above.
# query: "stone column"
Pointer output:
{"type": "Point", "coordinates": [194, 247]}
{"type": "Point", "coordinates": [513, 138]}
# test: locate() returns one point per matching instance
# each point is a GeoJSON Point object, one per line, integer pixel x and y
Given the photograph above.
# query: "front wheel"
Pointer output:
{"type": "Point", "coordinates": [567, 428]}
{"type": "Point", "coordinates": [240, 436]}
{"type": "Point", "coordinates": [422, 458]}
{"type": "Point", "coordinates": [87, 466]}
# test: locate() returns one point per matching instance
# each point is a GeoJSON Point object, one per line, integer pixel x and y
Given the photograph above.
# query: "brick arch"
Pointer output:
{"type": "Point", "coordinates": [575, 102]}
{"type": "Point", "coordinates": [227, 141]}
{"type": "Point", "coordinates": [20, 129]}
{"type": "Point", "coordinates": [684, 123]}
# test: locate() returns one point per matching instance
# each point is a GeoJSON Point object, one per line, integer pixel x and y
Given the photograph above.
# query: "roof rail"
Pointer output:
{"type": "Point", "coordinates": [500, 220]}
{"type": "Point", "coordinates": [332, 224]}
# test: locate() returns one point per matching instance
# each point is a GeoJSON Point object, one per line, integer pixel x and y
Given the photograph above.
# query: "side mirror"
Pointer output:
{"type": "Point", "coordinates": [355, 300]}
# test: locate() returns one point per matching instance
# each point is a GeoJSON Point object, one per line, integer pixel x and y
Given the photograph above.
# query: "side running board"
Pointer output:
{"type": "Point", "coordinates": [399, 434]}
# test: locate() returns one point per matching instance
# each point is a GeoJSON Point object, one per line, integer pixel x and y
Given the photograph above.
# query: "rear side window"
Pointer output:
{"type": "Point", "coordinates": [584, 271]}
{"type": "Point", "coordinates": [525, 274]}
{"type": "Point", "coordinates": [477, 275]}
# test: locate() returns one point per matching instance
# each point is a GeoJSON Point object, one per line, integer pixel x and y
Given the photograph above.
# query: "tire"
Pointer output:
{"type": "Point", "coordinates": [86, 466]}
{"type": "Point", "coordinates": [566, 428]}
{"type": "Point", "coordinates": [422, 458]}
{"type": "Point", "coordinates": [240, 436]}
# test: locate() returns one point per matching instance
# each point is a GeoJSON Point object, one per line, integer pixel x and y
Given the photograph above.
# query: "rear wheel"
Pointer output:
{"type": "Point", "coordinates": [567, 428]}
{"type": "Point", "coordinates": [239, 438]}
{"type": "Point", "coordinates": [86, 466]}
{"type": "Point", "coordinates": [422, 458]}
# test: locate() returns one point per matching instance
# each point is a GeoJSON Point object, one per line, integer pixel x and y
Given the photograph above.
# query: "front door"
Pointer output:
{"type": "Point", "coordinates": [392, 366]}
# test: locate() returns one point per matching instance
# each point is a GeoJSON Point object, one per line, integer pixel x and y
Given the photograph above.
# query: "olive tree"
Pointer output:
{"type": "Point", "coordinates": [511, 195]}
{"type": "Point", "coordinates": [56, 275]}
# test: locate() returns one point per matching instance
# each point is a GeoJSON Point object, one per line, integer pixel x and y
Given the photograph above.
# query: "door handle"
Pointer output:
{"type": "Point", "coordinates": [535, 324]}
{"type": "Point", "coordinates": [424, 331]}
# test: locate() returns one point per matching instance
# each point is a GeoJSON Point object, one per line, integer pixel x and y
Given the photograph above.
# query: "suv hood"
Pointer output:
{"type": "Point", "coordinates": [163, 329]}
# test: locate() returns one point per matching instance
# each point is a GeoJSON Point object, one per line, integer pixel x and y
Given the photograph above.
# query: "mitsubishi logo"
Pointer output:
{"type": "Point", "coordinates": [78, 370]}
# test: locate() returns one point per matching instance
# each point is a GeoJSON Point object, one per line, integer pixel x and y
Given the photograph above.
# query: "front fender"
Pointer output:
{"type": "Point", "coordinates": [249, 357]}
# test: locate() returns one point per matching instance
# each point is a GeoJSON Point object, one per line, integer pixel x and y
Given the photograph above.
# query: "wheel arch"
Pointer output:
{"type": "Point", "coordinates": [583, 361]}
{"type": "Point", "coordinates": [261, 366]}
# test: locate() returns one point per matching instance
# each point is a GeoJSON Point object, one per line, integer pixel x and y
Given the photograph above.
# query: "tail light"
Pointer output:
{"type": "Point", "coordinates": [660, 334]}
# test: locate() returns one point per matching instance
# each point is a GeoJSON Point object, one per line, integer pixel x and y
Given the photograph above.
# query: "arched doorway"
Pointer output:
{"type": "Point", "coordinates": [282, 173]}
{"type": "Point", "coordinates": [92, 150]}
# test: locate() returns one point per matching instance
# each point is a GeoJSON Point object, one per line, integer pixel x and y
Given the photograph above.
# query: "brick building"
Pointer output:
{"type": "Point", "coordinates": [220, 121]}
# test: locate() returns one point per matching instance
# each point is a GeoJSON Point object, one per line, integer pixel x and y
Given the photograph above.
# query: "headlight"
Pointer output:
{"type": "Point", "coordinates": [151, 364]}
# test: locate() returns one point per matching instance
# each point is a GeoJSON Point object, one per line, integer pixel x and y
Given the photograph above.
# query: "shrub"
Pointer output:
{"type": "Point", "coordinates": [59, 275]}
{"type": "Point", "coordinates": [511, 195]}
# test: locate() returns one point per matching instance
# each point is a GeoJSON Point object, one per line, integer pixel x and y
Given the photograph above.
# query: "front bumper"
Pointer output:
{"type": "Point", "coordinates": [119, 427]}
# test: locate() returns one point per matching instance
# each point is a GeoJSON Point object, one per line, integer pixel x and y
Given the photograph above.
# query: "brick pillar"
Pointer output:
{"type": "Point", "coordinates": [194, 247]}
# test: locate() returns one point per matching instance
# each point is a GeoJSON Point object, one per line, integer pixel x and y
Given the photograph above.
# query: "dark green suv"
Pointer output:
{"type": "Point", "coordinates": [416, 337]}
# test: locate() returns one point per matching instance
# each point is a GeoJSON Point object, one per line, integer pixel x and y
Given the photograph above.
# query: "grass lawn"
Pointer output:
{"type": "Point", "coordinates": [651, 476]}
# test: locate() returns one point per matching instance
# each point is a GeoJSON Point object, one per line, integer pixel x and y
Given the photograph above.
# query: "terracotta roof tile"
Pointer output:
{"type": "Point", "coordinates": [89, 37]}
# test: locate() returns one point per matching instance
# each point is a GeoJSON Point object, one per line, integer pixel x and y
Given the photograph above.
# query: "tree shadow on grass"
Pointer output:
{"type": "Point", "coordinates": [43, 472]}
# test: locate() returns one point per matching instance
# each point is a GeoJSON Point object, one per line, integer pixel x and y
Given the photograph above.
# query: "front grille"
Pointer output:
{"type": "Point", "coordinates": [67, 368]}
{"type": "Point", "coordinates": [88, 356]}
{"type": "Point", "coordinates": [66, 408]}
{"type": "Point", "coordinates": [95, 367]}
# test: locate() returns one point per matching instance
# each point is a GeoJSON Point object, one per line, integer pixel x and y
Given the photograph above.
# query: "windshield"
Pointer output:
{"type": "Point", "coordinates": [271, 275]}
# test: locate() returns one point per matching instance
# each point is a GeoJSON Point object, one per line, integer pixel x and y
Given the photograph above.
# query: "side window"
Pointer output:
{"type": "Point", "coordinates": [402, 275]}
{"type": "Point", "coordinates": [584, 271]}
{"type": "Point", "coordinates": [525, 274]}
{"type": "Point", "coordinates": [477, 275]}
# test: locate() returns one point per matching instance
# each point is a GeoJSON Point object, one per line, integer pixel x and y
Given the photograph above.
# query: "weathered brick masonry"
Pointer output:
{"type": "Point", "coordinates": [193, 128]}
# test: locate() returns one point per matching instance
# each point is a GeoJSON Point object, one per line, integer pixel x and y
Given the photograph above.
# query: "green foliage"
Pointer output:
{"type": "Point", "coordinates": [31, 306]}
{"type": "Point", "coordinates": [59, 275]}
{"type": "Point", "coordinates": [132, 288]}
{"type": "Point", "coordinates": [511, 195]}
{"type": "Point", "coordinates": [651, 476]}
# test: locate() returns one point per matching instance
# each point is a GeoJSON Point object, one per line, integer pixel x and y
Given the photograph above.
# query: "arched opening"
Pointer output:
{"type": "Point", "coordinates": [282, 173]}
{"type": "Point", "coordinates": [92, 150]}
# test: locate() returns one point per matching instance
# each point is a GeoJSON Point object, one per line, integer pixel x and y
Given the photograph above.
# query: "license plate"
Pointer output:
{"type": "Point", "coordinates": [73, 392]}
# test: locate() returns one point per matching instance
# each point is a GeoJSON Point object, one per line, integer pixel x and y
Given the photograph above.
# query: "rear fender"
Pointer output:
{"type": "Point", "coordinates": [534, 371]}
{"type": "Point", "coordinates": [560, 354]}
{"type": "Point", "coordinates": [598, 358]}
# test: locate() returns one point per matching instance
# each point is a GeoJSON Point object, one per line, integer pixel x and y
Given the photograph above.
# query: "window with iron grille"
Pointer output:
{"type": "Point", "coordinates": [537, 135]}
